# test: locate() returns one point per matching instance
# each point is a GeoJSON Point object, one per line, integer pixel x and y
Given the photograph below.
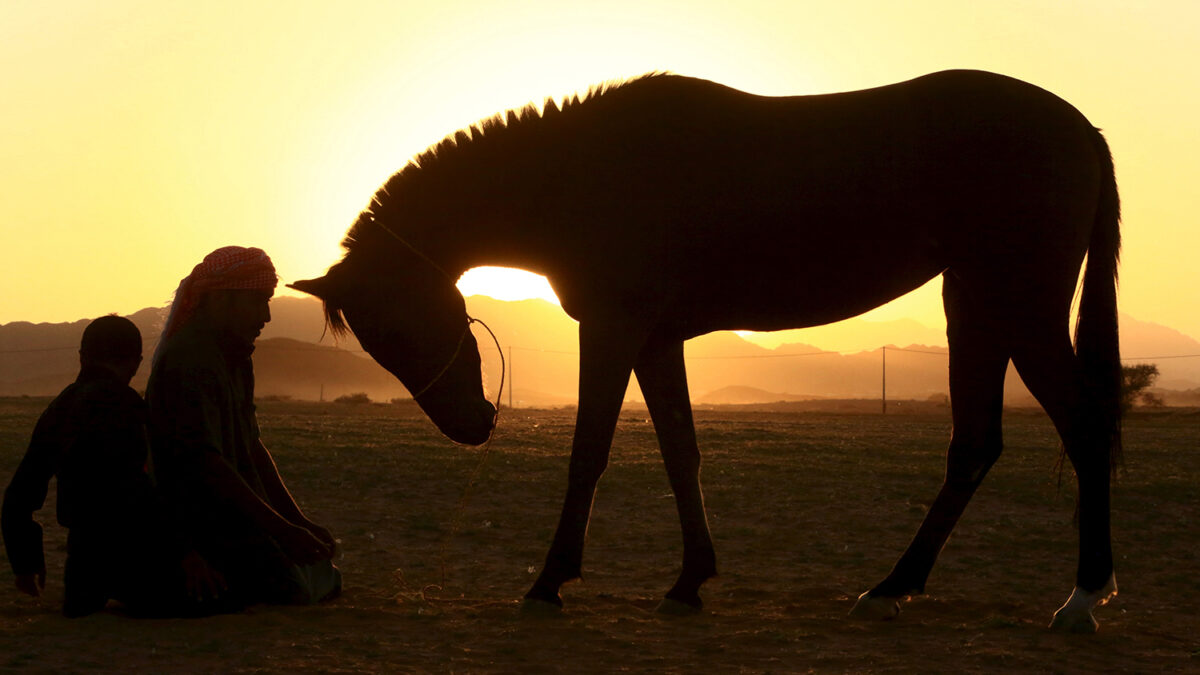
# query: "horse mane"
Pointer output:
{"type": "Point", "coordinates": [499, 130]}
{"type": "Point", "coordinates": [370, 231]}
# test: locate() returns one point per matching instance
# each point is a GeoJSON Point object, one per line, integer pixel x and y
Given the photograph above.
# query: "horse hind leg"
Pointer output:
{"type": "Point", "coordinates": [1052, 373]}
{"type": "Point", "coordinates": [662, 376]}
{"type": "Point", "coordinates": [977, 365]}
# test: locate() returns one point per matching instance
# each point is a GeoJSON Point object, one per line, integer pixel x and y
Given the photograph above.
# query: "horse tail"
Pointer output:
{"type": "Point", "coordinates": [1097, 342]}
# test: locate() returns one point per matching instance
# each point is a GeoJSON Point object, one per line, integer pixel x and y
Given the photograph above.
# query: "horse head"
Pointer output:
{"type": "Point", "coordinates": [413, 322]}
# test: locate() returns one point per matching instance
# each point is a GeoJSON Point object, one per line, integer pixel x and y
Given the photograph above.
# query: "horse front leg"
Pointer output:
{"type": "Point", "coordinates": [663, 378]}
{"type": "Point", "coordinates": [606, 357]}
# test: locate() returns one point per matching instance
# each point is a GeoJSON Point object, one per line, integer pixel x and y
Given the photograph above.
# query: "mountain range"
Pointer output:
{"type": "Point", "coordinates": [296, 358]}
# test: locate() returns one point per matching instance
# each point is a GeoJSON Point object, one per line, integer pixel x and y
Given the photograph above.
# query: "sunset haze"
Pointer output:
{"type": "Point", "coordinates": [135, 137]}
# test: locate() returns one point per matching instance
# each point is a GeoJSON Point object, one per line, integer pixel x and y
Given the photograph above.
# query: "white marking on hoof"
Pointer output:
{"type": "Point", "coordinates": [671, 607]}
{"type": "Point", "coordinates": [1075, 616]}
{"type": "Point", "coordinates": [539, 608]}
{"type": "Point", "coordinates": [875, 607]}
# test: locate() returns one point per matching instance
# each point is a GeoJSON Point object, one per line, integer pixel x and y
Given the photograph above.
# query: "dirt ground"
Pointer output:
{"type": "Point", "coordinates": [808, 509]}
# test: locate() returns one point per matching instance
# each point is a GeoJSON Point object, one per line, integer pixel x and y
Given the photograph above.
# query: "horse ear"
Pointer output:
{"type": "Point", "coordinates": [321, 287]}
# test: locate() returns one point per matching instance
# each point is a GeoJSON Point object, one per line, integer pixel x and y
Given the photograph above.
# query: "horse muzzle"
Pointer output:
{"type": "Point", "coordinates": [467, 423]}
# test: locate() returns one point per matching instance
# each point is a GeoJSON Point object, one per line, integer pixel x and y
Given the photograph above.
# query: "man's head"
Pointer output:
{"type": "Point", "coordinates": [112, 343]}
{"type": "Point", "coordinates": [229, 289]}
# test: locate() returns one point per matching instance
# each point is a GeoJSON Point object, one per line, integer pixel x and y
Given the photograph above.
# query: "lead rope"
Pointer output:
{"type": "Point", "coordinates": [456, 523]}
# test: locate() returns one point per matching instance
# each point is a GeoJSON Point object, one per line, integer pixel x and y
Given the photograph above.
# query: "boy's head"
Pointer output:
{"type": "Point", "coordinates": [114, 343]}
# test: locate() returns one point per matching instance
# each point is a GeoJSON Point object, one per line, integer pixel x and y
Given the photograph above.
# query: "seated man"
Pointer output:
{"type": "Point", "coordinates": [121, 545]}
{"type": "Point", "coordinates": [205, 443]}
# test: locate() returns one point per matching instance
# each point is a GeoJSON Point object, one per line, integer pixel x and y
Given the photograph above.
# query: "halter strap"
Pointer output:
{"type": "Point", "coordinates": [414, 249]}
{"type": "Point", "coordinates": [453, 357]}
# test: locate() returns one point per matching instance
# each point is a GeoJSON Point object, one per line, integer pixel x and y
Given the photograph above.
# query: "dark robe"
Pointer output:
{"type": "Point", "coordinates": [201, 400]}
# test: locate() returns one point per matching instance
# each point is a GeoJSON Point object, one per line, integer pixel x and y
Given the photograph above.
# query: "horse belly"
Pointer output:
{"type": "Point", "coordinates": [768, 282]}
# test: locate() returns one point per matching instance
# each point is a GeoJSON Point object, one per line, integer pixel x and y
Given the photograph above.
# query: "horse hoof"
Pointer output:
{"type": "Point", "coordinates": [1074, 622]}
{"type": "Point", "coordinates": [875, 607]}
{"type": "Point", "coordinates": [670, 607]}
{"type": "Point", "coordinates": [539, 608]}
{"type": "Point", "coordinates": [1075, 616]}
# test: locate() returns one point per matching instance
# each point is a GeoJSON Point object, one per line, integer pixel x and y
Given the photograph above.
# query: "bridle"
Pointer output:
{"type": "Point", "coordinates": [461, 338]}
{"type": "Point", "coordinates": [454, 357]}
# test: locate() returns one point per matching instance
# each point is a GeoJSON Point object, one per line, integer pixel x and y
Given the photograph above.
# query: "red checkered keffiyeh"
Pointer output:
{"type": "Point", "coordinates": [231, 267]}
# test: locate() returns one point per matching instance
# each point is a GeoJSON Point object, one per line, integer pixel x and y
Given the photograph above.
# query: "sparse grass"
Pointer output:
{"type": "Point", "coordinates": [807, 510]}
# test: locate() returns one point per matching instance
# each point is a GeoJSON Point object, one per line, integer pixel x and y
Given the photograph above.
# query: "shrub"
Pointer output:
{"type": "Point", "coordinates": [1135, 380]}
{"type": "Point", "coordinates": [356, 398]}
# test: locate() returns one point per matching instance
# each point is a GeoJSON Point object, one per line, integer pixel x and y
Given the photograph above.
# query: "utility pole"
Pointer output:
{"type": "Point", "coordinates": [884, 369]}
{"type": "Point", "coordinates": [510, 378]}
{"type": "Point", "coordinates": [321, 396]}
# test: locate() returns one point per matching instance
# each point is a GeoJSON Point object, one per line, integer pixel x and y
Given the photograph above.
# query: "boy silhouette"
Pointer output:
{"type": "Point", "coordinates": [122, 543]}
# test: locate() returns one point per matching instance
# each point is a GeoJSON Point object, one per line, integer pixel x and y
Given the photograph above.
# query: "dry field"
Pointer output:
{"type": "Point", "coordinates": [808, 509]}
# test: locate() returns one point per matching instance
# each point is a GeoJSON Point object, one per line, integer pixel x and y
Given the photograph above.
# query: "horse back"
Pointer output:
{"type": "Point", "coordinates": [745, 211]}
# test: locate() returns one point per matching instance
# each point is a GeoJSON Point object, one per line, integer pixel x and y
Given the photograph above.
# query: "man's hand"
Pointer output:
{"type": "Point", "coordinates": [302, 546]}
{"type": "Point", "coordinates": [32, 584]}
{"type": "Point", "coordinates": [321, 533]}
{"type": "Point", "coordinates": [201, 580]}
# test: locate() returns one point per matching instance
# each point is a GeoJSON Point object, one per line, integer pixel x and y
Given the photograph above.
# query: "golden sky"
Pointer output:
{"type": "Point", "coordinates": [136, 136]}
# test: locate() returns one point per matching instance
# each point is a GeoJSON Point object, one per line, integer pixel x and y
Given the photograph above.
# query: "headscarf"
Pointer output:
{"type": "Point", "coordinates": [227, 268]}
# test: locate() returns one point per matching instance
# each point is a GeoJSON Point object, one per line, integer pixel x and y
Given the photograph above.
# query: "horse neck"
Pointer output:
{"type": "Point", "coordinates": [460, 222]}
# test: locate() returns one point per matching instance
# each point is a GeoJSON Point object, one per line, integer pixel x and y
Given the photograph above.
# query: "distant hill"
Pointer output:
{"type": "Point", "coordinates": [302, 370]}
{"type": "Point", "coordinates": [1146, 339]}
{"type": "Point", "coordinates": [39, 359]}
{"type": "Point", "coordinates": [301, 319]}
{"type": "Point", "coordinates": [855, 335]}
{"type": "Point", "coordinates": [296, 358]}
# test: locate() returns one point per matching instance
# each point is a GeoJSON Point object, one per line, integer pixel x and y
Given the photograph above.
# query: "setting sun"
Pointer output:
{"type": "Point", "coordinates": [505, 283]}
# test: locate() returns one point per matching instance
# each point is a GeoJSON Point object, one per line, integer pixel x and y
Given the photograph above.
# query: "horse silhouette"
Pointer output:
{"type": "Point", "coordinates": [666, 207]}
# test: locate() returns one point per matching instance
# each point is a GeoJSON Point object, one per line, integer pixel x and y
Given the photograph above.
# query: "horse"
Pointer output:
{"type": "Point", "coordinates": [665, 207]}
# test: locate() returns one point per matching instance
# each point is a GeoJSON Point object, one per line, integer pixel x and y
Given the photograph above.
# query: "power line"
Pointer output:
{"type": "Point", "coordinates": [761, 356]}
{"type": "Point", "coordinates": [916, 351]}
{"type": "Point", "coordinates": [317, 348]}
{"type": "Point", "coordinates": [544, 351]}
{"type": "Point", "coordinates": [58, 349]}
{"type": "Point", "coordinates": [313, 348]}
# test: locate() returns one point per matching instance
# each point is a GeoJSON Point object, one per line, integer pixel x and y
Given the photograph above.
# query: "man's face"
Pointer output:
{"type": "Point", "coordinates": [242, 313]}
